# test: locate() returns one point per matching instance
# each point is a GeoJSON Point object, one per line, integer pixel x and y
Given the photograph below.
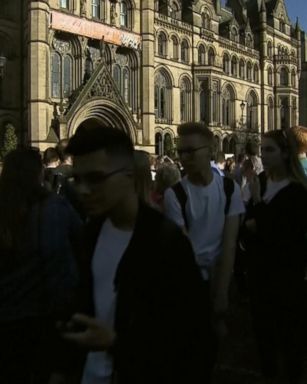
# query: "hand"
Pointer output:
{"type": "Point", "coordinates": [95, 335]}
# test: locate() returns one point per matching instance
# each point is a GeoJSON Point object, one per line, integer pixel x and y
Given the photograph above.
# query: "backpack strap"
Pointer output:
{"type": "Point", "coordinates": [182, 198]}
{"type": "Point", "coordinates": [229, 187]}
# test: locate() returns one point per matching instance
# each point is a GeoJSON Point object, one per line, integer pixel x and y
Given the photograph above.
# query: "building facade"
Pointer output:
{"type": "Point", "coordinates": [146, 66]}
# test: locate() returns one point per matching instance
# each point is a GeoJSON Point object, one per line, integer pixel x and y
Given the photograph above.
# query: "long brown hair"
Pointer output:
{"type": "Point", "coordinates": [288, 145]}
{"type": "Point", "coordinates": [20, 189]}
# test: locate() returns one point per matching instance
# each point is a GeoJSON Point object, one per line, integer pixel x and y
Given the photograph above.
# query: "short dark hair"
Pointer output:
{"type": "Point", "coordinates": [192, 128]}
{"type": "Point", "coordinates": [220, 157]}
{"type": "Point", "coordinates": [50, 155]}
{"type": "Point", "coordinates": [93, 135]}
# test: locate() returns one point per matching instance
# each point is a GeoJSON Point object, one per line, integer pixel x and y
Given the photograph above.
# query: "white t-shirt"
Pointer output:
{"type": "Point", "coordinates": [110, 247]}
{"type": "Point", "coordinates": [206, 217]}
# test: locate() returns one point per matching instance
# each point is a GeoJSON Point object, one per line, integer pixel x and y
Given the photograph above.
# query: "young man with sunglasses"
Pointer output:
{"type": "Point", "coordinates": [211, 227]}
{"type": "Point", "coordinates": [142, 316]}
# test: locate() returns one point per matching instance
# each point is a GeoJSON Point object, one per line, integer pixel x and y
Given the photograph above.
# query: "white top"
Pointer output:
{"type": "Point", "coordinates": [273, 187]}
{"type": "Point", "coordinates": [110, 247]}
{"type": "Point", "coordinates": [205, 214]}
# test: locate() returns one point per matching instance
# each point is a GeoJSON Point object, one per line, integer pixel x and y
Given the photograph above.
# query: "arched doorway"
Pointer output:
{"type": "Point", "coordinates": [225, 145]}
{"type": "Point", "coordinates": [232, 146]}
{"type": "Point", "coordinates": [168, 145]}
{"type": "Point", "coordinates": [158, 144]}
{"type": "Point", "coordinates": [216, 144]}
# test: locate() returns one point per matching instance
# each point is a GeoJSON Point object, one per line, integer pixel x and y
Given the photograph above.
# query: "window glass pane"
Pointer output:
{"type": "Point", "coordinates": [96, 8]}
{"type": "Point", "coordinates": [126, 85]}
{"type": "Point", "coordinates": [55, 75]}
{"type": "Point", "coordinates": [123, 14]}
{"type": "Point", "coordinates": [116, 76]}
{"type": "Point", "coordinates": [64, 4]}
{"type": "Point", "coordinates": [67, 76]}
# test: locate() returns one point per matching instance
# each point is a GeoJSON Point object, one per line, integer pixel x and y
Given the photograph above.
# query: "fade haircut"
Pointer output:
{"type": "Point", "coordinates": [300, 134]}
{"type": "Point", "coordinates": [93, 135]}
{"type": "Point", "coordinates": [191, 128]}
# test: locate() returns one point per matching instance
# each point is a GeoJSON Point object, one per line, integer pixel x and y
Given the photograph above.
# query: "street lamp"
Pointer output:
{"type": "Point", "coordinates": [2, 66]}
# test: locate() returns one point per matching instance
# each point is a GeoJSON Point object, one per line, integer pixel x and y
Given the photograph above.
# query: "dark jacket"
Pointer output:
{"type": "Point", "coordinates": [161, 321]}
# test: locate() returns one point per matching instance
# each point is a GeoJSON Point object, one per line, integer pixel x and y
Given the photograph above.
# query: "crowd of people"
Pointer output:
{"type": "Point", "coordinates": [115, 265]}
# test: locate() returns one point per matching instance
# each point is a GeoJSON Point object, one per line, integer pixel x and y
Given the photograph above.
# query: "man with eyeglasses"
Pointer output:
{"type": "Point", "coordinates": [142, 316]}
{"type": "Point", "coordinates": [211, 227]}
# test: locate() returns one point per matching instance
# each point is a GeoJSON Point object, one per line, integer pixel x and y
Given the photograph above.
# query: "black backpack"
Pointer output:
{"type": "Point", "coordinates": [182, 197]}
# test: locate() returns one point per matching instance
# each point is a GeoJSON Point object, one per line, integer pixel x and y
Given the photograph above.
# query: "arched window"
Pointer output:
{"type": "Point", "coordinates": [168, 145]}
{"type": "Point", "coordinates": [64, 4]}
{"type": "Point", "coordinates": [270, 76]}
{"type": "Point", "coordinates": [117, 75]}
{"type": "Point", "coordinates": [124, 14]}
{"type": "Point", "coordinates": [163, 96]}
{"type": "Point", "coordinates": [174, 11]}
{"type": "Point", "coordinates": [205, 20]}
{"type": "Point", "coordinates": [226, 63]}
{"type": "Point", "coordinates": [228, 107]}
{"type": "Point", "coordinates": [56, 75]}
{"type": "Point", "coordinates": [284, 77]}
{"type": "Point", "coordinates": [234, 66]}
{"type": "Point", "coordinates": [184, 52]}
{"type": "Point", "coordinates": [232, 145]}
{"type": "Point", "coordinates": [216, 144]}
{"type": "Point", "coordinates": [226, 145]}
{"type": "Point", "coordinates": [67, 76]}
{"type": "Point", "coordinates": [284, 113]}
{"type": "Point", "coordinates": [234, 34]}
{"type": "Point", "coordinates": [126, 88]}
{"type": "Point", "coordinates": [282, 26]}
{"type": "Point", "coordinates": [249, 41]}
{"type": "Point", "coordinates": [204, 102]}
{"type": "Point", "coordinates": [242, 69]}
{"type": "Point", "coordinates": [211, 57]}
{"type": "Point", "coordinates": [270, 49]}
{"type": "Point", "coordinates": [175, 48]}
{"type": "Point", "coordinates": [201, 55]}
{"type": "Point", "coordinates": [256, 73]}
{"type": "Point", "coordinates": [293, 79]}
{"type": "Point", "coordinates": [270, 114]}
{"type": "Point", "coordinates": [294, 112]}
{"type": "Point", "coordinates": [158, 144]}
{"type": "Point", "coordinates": [162, 44]}
{"type": "Point", "coordinates": [252, 112]}
{"type": "Point", "coordinates": [249, 71]}
{"type": "Point", "coordinates": [185, 100]}
{"type": "Point", "coordinates": [96, 9]}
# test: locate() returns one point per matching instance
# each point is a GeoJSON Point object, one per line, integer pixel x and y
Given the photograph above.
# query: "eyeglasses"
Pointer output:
{"type": "Point", "coordinates": [190, 151]}
{"type": "Point", "coordinates": [95, 177]}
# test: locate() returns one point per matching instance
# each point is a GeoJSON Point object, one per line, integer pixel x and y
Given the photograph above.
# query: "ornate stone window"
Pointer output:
{"type": "Point", "coordinates": [96, 9]}
{"type": "Point", "coordinates": [256, 73]}
{"type": "Point", "coordinates": [252, 112]}
{"type": "Point", "coordinates": [270, 76]}
{"type": "Point", "coordinates": [174, 11]}
{"type": "Point", "coordinates": [125, 14]}
{"type": "Point", "coordinates": [226, 63]}
{"type": "Point", "coordinates": [282, 25]}
{"type": "Point", "coordinates": [201, 55]}
{"type": "Point", "coordinates": [122, 75]}
{"type": "Point", "coordinates": [61, 69]}
{"type": "Point", "coordinates": [249, 71]}
{"type": "Point", "coordinates": [163, 97]}
{"type": "Point", "coordinates": [242, 69]}
{"type": "Point", "coordinates": [162, 44]}
{"type": "Point", "coordinates": [228, 106]}
{"type": "Point", "coordinates": [64, 4]}
{"type": "Point", "coordinates": [211, 56]}
{"type": "Point", "coordinates": [234, 34]}
{"type": "Point", "coordinates": [284, 78]}
{"type": "Point", "coordinates": [270, 49]}
{"type": "Point", "coordinates": [175, 44]}
{"type": "Point", "coordinates": [205, 20]}
{"type": "Point", "coordinates": [293, 78]}
{"type": "Point", "coordinates": [270, 114]}
{"type": "Point", "coordinates": [185, 100]}
{"type": "Point", "coordinates": [249, 41]}
{"type": "Point", "coordinates": [234, 66]}
{"type": "Point", "coordinates": [184, 51]}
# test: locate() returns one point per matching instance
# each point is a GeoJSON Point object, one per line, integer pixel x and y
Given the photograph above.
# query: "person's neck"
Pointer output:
{"type": "Point", "coordinates": [279, 175]}
{"type": "Point", "coordinates": [202, 178]}
{"type": "Point", "coordinates": [302, 156]}
{"type": "Point", "coordinates": [123, 216]}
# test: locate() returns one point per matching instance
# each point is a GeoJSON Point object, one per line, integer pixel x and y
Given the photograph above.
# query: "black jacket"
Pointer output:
{"type": "Point", "coordinates": [162, 319]}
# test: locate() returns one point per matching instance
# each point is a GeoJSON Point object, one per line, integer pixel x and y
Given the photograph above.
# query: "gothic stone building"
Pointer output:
{"type": "Point", "coordinates": [146, 66]}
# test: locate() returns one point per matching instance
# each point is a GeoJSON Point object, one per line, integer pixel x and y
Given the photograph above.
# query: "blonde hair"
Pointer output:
{"type": "Point", "coordinates": [286, 141]}
{"type": "Point", "coordinates": [300, 134]}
